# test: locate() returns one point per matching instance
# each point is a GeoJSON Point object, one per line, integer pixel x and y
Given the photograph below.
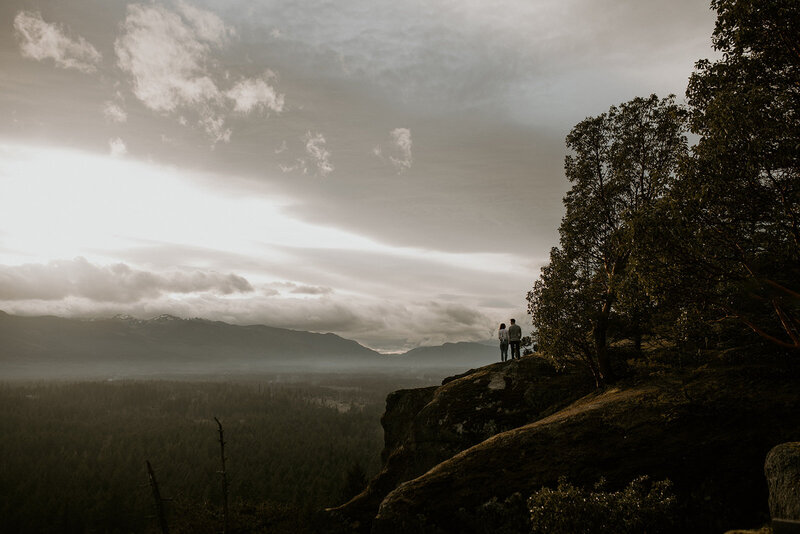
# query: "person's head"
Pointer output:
{"type": "Point", "coordinates": [502, 326]}
{"type": "Point", "coordinates": [513, 321]}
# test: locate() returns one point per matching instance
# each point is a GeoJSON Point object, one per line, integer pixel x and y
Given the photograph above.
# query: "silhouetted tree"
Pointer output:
{"type": "Point", "coordinates": [561, 309]}
{"type": "Point", "coordinates": [622, 163]}
{"type": "Point", "coordinates": [734, 231]}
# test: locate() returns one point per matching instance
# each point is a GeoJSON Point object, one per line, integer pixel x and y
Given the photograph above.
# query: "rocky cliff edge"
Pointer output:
{"type": "Point", "coordinates": [517, 426]}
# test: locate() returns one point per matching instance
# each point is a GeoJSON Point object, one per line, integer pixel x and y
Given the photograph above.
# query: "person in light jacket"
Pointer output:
{"type": "Point", "coordinates": [514, 338]}
{"type": "Point", "coordinates": [502, 335]}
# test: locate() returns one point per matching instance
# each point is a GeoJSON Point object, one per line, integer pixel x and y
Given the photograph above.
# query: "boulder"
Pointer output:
{"type": "Point", "coordinates": [782, 469]}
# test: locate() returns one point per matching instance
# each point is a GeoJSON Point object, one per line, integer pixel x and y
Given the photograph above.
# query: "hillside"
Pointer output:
{"type": "Point", "coordinates": [518, 426]}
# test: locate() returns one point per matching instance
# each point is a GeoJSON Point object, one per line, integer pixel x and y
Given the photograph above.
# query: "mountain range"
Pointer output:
{"type": "Point", "coordinates": [48, 346]}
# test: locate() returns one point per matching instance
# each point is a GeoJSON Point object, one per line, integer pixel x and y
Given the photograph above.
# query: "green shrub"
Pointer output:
{"type": "Point", "coordinates": [642, 507]}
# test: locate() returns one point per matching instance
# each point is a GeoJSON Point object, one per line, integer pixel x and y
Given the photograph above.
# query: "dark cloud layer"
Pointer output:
{"type": "Point", "coordinates": [117, 283]}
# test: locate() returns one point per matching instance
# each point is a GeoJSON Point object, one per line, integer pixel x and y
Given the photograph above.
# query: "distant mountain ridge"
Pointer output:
{"type": "Point", "coordinates": [470, 353]}
{"type": "Point", "coordinates": [48, 345]}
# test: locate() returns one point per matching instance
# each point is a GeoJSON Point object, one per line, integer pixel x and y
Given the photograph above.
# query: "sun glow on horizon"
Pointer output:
{"type": "Point", "coordinates": [59, 203]}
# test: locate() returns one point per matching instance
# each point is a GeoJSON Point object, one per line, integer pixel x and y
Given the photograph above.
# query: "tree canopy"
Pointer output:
{"type": "Point", "coordinates": [655, 231]}
{"type": "Point", "coordinates": [622, 163]}
{"type": "Point", "coordinates": [741, 194]}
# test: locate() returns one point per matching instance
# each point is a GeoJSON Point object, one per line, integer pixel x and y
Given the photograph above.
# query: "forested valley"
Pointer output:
{"type": "Point", "coordinates": [72, 457]}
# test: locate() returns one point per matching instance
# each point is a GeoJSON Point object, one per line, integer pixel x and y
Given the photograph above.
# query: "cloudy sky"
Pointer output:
{"type": "Point", "coordinates": [388, 171]}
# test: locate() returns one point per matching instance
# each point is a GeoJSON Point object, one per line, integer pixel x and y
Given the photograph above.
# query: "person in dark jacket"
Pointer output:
{"type": "Point", "coordinates": [514, 338]}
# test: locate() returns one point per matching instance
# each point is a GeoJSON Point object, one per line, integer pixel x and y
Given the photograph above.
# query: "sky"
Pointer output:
{"type": "Point", "coordinates": [388, 171]}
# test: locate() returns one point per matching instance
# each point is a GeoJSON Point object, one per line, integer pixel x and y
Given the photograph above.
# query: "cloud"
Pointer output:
{"type": "Point", "coordinates": [402, 142]}
{"type": "Point", "coordinates": [255, 94]}
{"type": "Point", "coordinates": [300, 163]}
{"type": "Point", "coordinates": [311, 290]}
{"type": "Point", "coordinates": [114, 112]}
{"type": "Point", "coordinates": [376, 315]}
{"type": "Point", "coordinates": [40, 40]}
{"type": "Point", "coordinates": [118, 283]}
{"type": "Point", "coordinates": [169, 58]}
{"type": "Point", "coordinates": [214, 126]}
{"type": "Point", "coordinates": [302, 289]}
{"type": "Point", "coordinates": [207, 26]}
{"type": "Point", "coordinates": [394, 326]}
{"type": "Point", "coordinates": [380, 324]}
{"type": "Point", "coordinates": [316, 156]}
{"type": "Point", "coordinates": [117, 147]}
{"type": "Point", "coordinates": [506, 57]}
{"type": "Point", "coordinates": [316, 149]}
{"type": "Point", "coordinates": [166, 57]}
{"type": "Point", "coordinates": [400, 149]}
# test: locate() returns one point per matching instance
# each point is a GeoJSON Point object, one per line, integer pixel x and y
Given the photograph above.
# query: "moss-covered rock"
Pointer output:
{"type": "Point", "coordinates": [424, 427]}
{"type": "Point", "coordinates": [707, 431]}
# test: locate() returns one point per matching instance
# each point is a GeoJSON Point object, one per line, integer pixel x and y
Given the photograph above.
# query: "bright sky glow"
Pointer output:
{"type": "Point", "coordinates": [58, 203]}
{"type": "Point", "coordinates": [63, 203]}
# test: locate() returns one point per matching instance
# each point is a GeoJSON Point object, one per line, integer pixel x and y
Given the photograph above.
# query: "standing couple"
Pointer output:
{"type": "Point", "coordinates": [512, 337]}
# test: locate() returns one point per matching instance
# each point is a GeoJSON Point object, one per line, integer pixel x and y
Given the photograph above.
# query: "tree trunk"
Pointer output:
{"type": "Point", "coordinates": [598, 377]}
{"type": "Point", "coordinates": [224, 473]}
{"type": "Point", "coordinates": [637, 339]}
{"type": "Point", "coordinates": [600, 335]}
{"type": "Point", "coordinates": [162, 518]}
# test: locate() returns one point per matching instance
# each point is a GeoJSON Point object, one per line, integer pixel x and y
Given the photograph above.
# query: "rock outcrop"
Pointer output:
{"type": "Point", "coordinates": [518, 426]}
{"type": "Point", "coordinates": [424, 427]}
{"type": "Point", "coordinates": [782, 469]}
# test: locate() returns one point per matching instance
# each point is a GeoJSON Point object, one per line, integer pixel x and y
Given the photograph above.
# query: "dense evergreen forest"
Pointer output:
{"type": "Point", "coordinates": [72, 457]}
